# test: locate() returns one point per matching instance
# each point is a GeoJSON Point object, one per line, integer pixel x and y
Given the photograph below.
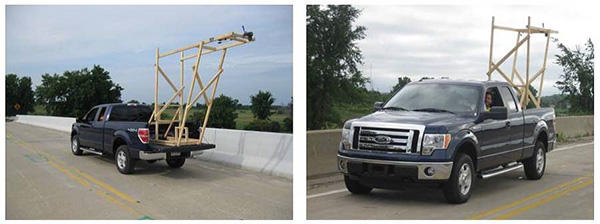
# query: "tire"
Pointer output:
{"type": "Point", "coordinates": [75, 147]}
{"type": "Point", "coordinates": [355, 187]}
{"type": "Point", "coordinates": [460, 185]}
{"type": "Point", "coordinates": [151, 161]}
{"type": "Point", "coordinates": [123, 160]}
{"type": "Point", "coordinates": [536, 165]}
{"type": "Point", "coordinates": [176, 163]}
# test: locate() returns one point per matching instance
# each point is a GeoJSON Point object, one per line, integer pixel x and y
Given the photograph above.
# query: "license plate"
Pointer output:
{"type": "Point", "coordinates": [175, 154]}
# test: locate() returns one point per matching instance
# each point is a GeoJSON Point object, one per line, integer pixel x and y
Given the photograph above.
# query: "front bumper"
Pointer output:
{"type": "Point", "coordinates": [442, 169]}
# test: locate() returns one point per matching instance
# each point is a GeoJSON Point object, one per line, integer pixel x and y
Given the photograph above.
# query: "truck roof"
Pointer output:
{"type": "Point", "coordinates": [464, 82]}
{"type": "Point", "coordinates": [120, 104]}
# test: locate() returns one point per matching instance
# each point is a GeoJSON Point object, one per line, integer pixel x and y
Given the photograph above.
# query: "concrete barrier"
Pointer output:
{"type": "Point", "coordinates": [56, 123]}
{"type": "Point", "coordinates": [575, 126]}
{"type": "Point", "coordinates": [264, 152]}
{"type": "Point", "coordinates": [322, 145]}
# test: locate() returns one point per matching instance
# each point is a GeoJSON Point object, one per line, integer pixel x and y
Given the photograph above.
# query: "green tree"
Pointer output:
{"type": "Point", "coordinates": [578, 76]}
{"type": "Point", "coordinates": [332, 59]}
{"type": "Point", "coordinates": [19, 95]}
{"type": "Point", "coordinates": [261, 105]}
{"type": "Point", "coordinates": [74, 92]}
{"type": "Point", "coordinates": [134, 101]}
{"type": "Point", "coordinates": [402, 81]}
{"type": "Point", "coordinates": [222, 114]}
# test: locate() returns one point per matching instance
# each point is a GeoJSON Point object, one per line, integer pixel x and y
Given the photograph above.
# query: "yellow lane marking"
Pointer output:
{"type": "Point", "coordinates": [69, 174]}
{"type": "Point", "coordinates": [119, 203]}
{"type": "Point", "coordinates": [108, 187]}
{"type": "Point", "coordinates": [528, 198]}
{"type": "Point", "coordinates": [546, 200]}
{"type": "Point", "coordinates": [55, 163]}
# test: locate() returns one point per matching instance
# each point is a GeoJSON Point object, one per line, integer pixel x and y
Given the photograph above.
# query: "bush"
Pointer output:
{"type": "Point", "coordinates": [288, 125]}
{"type": "Point", "coordinates": [263, 125]}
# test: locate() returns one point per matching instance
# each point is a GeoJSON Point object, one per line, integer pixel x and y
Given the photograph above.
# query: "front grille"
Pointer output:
{"type": "Point", "coordinates": [386, 139]}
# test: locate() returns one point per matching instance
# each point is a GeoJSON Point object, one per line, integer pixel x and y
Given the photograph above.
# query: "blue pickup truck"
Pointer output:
{"type": "Point", "coordinates": [122, 131]}
{"type": "Point", "coordinates": [444, 133]}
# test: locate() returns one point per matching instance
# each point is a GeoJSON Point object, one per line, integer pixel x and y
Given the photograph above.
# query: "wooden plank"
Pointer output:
{"type": "Point", "coordinates": [491, 50]}
{"type": "Point", "coordinates": [494, 67]}
{"type": "Point", "coordinates": [167, 78]}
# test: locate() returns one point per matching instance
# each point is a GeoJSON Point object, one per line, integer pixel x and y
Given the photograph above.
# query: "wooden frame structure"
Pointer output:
{"type": "Point", "coordinates": [521, 88]}
{"type": "Point", "coordinates": [204, 47]}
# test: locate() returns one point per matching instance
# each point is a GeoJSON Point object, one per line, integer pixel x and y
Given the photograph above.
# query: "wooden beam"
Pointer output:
{"type": "Point", "coordinates": [212, 97]}
{"type": "Point", "coordinates": [495, 66]}
{"type": "Point", "coordinates": [491, 50]}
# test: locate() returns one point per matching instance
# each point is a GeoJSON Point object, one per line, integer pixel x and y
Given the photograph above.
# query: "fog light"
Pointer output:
{"type": "Point", "coordinates": [429, 171]}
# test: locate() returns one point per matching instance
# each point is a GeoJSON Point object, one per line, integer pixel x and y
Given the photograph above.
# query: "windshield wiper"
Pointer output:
{"type": "Point", "coordinates": [433, 110]}
{"type": "Point", "coordinates": [393, 108]}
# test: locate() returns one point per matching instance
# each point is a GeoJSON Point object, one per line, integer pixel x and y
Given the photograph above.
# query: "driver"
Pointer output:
{"type": "Point", "coordinates": [488, 101]}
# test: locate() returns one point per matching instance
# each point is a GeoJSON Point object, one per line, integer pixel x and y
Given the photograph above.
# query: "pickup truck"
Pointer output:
{"type": "Point", "coordinates": [122, 131]}
{"type": "Point", "coordinates": [442, 133]}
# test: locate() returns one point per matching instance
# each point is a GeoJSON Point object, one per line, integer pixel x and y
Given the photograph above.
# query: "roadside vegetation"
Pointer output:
{"type": "Point", "coordinates": [73, 93]}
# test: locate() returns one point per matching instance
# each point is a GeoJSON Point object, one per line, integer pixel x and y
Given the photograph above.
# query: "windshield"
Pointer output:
{"type": "Point", "coordinates": [435, 97]}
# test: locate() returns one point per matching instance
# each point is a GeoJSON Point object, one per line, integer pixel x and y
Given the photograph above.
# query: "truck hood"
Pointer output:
{"type": "Point", "coordinates": [416, 117]}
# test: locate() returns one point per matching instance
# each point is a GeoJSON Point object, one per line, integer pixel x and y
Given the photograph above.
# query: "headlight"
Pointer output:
{"type": "Point", "coordinates": [432, 142]}
{"type": "Point", "coordinates": [347, 134]}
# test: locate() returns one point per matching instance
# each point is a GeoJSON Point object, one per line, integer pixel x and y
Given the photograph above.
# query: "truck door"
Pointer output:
{"type": "Point", "coordinates": [515, 117]}
{"type": "Point", "coordinates": [97, 131]}
{"type": "Point", "coordinates": [85, 128]}
{"type": "Point", "coordinates": [493, 136]}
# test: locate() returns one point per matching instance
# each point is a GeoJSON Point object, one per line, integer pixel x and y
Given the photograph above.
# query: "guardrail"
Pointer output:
{"type": "Point", "coordinates": [264, 152]}
{"type": "Point", "coordinates": [322, 145]}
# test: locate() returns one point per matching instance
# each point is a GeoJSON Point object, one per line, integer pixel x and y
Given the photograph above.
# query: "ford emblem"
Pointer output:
{"type": "Point", "coordinates": [382, 139]}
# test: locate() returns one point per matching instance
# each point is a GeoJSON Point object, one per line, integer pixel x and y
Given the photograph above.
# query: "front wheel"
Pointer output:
{"type": "Point", "coordinates": [125, 164]}
{"type": "Point", "coordinates": [355, 187]}
{"type": "Point", "coordinates": [460, 185]}
{"type": "Point", "coordinates": [175, 162]}
{"type": "Point", "coordinates": [536, 165]}
{"type": "Point", "coordinates": [75, 148]}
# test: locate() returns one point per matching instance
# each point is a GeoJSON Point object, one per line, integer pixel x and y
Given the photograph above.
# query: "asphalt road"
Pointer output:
{"type": "Point", "coordinates": [565, 192]}
{"type": "Point", "coordinates": [44, 180]}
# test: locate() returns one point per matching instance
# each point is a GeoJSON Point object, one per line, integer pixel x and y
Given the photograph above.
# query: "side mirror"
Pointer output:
{"type": "Point", "coordinates": [377, 106]}
{"type": "Point", "coordinates": [496, 113]}
{"type": "Point", "coordinates": [78, 120]}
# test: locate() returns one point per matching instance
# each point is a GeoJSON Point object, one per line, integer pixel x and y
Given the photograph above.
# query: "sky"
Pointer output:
{"type": "Point", "coordinates": [123, 40]}
{"type": "Point", "coordinates": [454, 41]}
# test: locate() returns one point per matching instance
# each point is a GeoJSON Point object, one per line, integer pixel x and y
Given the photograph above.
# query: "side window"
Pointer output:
{"type": "Point", "coordinates": [90, 115]}
{"type": "Point", "coordinates": [102, 112]}
{"type": "Point", "coordinates": [509, 99]}
{"type": "Point", "coordinates": [496, 97]}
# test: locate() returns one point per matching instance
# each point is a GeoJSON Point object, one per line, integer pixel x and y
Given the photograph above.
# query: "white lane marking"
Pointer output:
{"type": "Point", "coordinates": [573, 146]}
{"type": "Point", "coordinates": [344, 190]}
{"type": "Point", "coordinates": [327, 193]}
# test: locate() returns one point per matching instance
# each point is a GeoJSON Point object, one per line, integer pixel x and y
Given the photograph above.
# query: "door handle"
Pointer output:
{"type": "Point", "coordinates": [508, 124]}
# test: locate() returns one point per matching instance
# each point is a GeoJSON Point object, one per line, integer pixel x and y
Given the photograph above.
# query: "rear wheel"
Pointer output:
{"type": "Point", "coordinates": [460, 185]}
{"type": "Point", "coordinates": [175, 162]}
{"type": "Point", "coordinates": [125, 164]}
{"type": "Point", "coordinates": [536, 165]}
{"type": "Point", "coordinates": [355, 187]}
{"type": "Point", "coordinates": [75, 146]}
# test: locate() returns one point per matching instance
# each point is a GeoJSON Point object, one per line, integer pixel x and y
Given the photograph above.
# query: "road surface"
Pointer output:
{"type": "Point", "coordinates": [44, 180]}
{"type": "Point", "coordinates": [565, 192]}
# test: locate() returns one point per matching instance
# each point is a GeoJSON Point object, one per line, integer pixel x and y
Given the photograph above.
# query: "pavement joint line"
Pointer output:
{"type": "Point", "coordinates": [545, 200]}
{"type": "Point", "coordinates": [342, 190]}
{"type": "Point", "coordinates": [550, 191]}
{"type": "Point", "coordinates": [326, 193]}
{"type": "Point", "coordinates": [80, 180]}
{"type": "Point", "coordinates": [571, 146]}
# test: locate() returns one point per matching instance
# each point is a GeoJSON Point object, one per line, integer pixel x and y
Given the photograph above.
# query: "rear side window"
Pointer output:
{"type": "Point", "coordinates": [102, 113]}
{"type": "Point", "coordinates": [130, 113]}
{"type": "Point", "coordinates": [509, 99]}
